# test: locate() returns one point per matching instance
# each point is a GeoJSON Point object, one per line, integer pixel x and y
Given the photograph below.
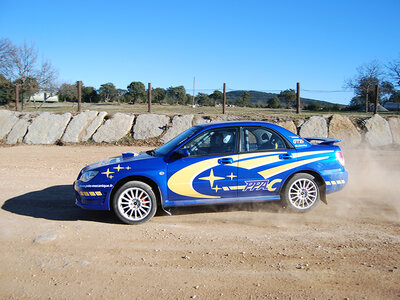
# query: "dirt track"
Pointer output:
{"type": "Point", "coordinates": [52, 249]}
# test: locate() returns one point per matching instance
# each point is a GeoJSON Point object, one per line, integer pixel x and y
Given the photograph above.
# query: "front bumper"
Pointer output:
{"type": "Point", "coordinates": [92, 196]}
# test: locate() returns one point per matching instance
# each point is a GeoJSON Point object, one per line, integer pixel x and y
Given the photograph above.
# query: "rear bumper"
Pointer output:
{"type": "Point", "coordinates": [91, 196]}
{"type": "Point", "coordinates": [335, 181]}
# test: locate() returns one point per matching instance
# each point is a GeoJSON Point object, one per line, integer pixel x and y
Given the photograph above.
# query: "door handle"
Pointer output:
{"type": "Point", "coordinates": [227, 160]}
{"type": "Point", "coordinates": [286, 156]}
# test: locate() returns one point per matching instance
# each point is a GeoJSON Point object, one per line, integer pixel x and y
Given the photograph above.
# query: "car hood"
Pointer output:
{"type": "Point", "coordinates": [125, 157]}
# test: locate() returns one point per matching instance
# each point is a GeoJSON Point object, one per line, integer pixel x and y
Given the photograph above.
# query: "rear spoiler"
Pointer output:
{"type": "Point", "coordinates": [323, 141]}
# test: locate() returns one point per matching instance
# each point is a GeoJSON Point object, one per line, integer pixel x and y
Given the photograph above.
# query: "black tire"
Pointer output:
{"type": "Point", "coordinates": [135, 203]}
{"type": "Point", "coordinates": [301, 193]}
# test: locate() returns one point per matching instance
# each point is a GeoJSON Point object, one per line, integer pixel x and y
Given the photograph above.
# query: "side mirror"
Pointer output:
{"type": "Point", "coordinates": [182, 152]}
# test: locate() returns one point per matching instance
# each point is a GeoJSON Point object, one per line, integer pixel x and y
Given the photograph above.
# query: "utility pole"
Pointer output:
{"type": "Point", "coordinates": [79, 87]}
{"type": "Point", "coordinates": [224, 100]}
{"type": "Point", "coordinates": [194, 84]}
{"type": "Point", "coordinates": [149, 96]}
{"type": "Point", "coordinates": [366, 100]}
{"type": "Point", "coordinates": [298, 97]}
{"type": "Point", "coordinates": [16, 97]}
{"type": "Point", "coordinates": [376, 99]}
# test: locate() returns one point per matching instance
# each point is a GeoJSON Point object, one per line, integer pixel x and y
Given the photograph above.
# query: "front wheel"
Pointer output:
{"type": "Point", "coordinates": [135, 202]}
{"type": "Point", "coordinates": [301, 193]}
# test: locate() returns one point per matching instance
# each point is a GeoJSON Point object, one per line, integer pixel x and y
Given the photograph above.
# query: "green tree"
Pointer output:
{"type": "Point", "coordinates": [68, 92]}
{"type": "Point", "coordinates": [176, 95]}
{"type": "Point", "coordinates": [274, 102]}
{"type": "Point", "coordinates": [158, 95]}
{"type": "Point", "coordinates": [288, 96]}
{"type": "Point", "coordinates": [314, 107]}
{"type": "Point", "coordinates": [7, 93]}
{"type": "Point", "coordinates": [89, 94]}
{"type": "Point", "coordinates": [204, 100]}
{"type": "Point", "coordinates": [217, 96]}
{"type": "Point", "coordinates": [108, 92]}
{"type": "Point", "coordinates": [244, 100]}
{"type": "Point", "coordinates": [137, 91]}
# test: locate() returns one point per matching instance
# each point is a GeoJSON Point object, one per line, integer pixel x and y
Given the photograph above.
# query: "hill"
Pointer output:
{"type": "Point", "coordinates": [263, 97]}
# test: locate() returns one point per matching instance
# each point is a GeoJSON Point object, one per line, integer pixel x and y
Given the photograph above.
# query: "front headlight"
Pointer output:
{"type": "Point", "coordinates": [85, 177]}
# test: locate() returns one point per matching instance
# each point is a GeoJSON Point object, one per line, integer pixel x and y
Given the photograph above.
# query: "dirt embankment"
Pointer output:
{"type": "Point", "coordinates": [52, 249]}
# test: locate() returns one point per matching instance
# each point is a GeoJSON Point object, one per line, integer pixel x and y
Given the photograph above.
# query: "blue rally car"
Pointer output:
{"type": "Point", "coordinates": [215, 163]}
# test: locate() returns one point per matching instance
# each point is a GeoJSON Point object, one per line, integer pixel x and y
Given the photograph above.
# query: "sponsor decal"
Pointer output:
{"type": "Point", "coordinates": [261, 185]}
{"type": "Point", "coordinates": [97, 186]}
{"type": "Point", "coordinates": [114, 170]}
{"type": "Point", "coordinates": [298, 141]}
{"type": "Point", "coordinates": [181, 182]}
{"type": "Point", "coordinates": [92, 194]}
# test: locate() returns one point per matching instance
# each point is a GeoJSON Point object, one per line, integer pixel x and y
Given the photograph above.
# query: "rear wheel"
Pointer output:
{"type": "Point", "coordinates": [301, 193]}
{"type": "Point", "coordinates": [135, 203]}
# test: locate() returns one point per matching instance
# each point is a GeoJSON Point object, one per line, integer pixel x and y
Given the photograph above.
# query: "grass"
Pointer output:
{"type": "Point", "coordinates": [242, 112]}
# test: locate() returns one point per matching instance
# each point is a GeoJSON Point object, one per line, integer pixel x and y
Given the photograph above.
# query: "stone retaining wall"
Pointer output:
{"type": "Point", "coordinates": [48, 128]}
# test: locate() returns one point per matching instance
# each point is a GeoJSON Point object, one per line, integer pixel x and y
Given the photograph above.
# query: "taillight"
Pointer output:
{"type": "Point", "coordinates": [340, 157]}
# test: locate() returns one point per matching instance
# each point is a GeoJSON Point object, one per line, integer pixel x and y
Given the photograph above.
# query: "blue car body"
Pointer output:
{"type": "Point", "coordinates": [245, 172]}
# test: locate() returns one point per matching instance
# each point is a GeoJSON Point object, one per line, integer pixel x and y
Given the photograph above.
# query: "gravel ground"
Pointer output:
{"type": "Point", "coordinates": [51, 249]}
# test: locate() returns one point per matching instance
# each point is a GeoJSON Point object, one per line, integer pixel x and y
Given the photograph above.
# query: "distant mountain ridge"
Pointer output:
{"type": "Point", "coordinates": [263, 97]}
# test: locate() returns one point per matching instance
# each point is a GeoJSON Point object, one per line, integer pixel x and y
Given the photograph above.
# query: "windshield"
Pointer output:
{"type": "Point", "coordinates": [175, 142]}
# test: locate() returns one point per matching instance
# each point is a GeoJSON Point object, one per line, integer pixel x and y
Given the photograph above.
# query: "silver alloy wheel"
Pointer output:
{"type": "Point", "coordinates": [303, 193]}
{"type": "Point", "coordinates": [134, 204]}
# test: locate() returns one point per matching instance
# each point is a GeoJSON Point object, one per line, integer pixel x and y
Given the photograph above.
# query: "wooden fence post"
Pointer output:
{"type": "Point", "coordinates": [224, 100]}
{"type": "Point", "coordinates": [298, 97]}
{"type": "Point", "coordinates": [149, 96]}
{"type": "Point", "coordinates": [376, 99]}
{"type": "Point", "coordinates": [16, 97]}
{"type": "Point", "coordinates": [79, 87]}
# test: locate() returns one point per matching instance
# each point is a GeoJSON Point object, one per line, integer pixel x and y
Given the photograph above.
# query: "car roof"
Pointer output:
{"type": "Point", "coordinates": [286, 133]}
{"type": "Point", "coordinates": [235, 123]}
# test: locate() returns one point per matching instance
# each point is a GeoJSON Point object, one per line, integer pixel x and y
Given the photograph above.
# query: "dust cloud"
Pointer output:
{"type": "Point", "coordinates": [374, 179]}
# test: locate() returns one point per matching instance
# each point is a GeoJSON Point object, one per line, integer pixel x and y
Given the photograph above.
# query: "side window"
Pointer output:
{"type": "Point", "coordinates": [260, 138]}
{"type": "Point", "coordinates": [212, 142]}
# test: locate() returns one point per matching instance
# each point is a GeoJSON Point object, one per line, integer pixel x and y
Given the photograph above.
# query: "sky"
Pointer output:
{"type": "Point", "coordinates": [249, 45]}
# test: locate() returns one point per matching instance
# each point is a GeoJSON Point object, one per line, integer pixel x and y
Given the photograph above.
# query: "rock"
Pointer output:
{"type": "Point", "coordinates": [47, 128]}
{"type": "Point", "coordinates": [298, 122]}
{"type": "Point", "coordinates": [149, 126]}
{"type": "Point", "coordinates": [114, 129]}
{"type": "Point", "coordinates": [92, 127]}
{"type": "Point", "coordinates": [289, 125]}
{"type": "Point", "coordinates": [45, 237]}
{"type": "Point", "coordinates": [224, 118]}
{"type": "Point", "coordinates": [378, 131]}
{"type": "Point", "coordinates": [314, 127]}
{"type": "Point", "coordinates": [342, 128]}
{"type": "Point", "coordinates": [18, 131]}
{"type": "Point", "coordinates": [179, 124]}
{"type": "Point", "coordinates": [394, 124]}
{"type": "Point", "coordinates": [199, 120]}
{"type": "Point", "coordinates": [77, 126]}
{"type": "Point", "coordinates": [7, 121]}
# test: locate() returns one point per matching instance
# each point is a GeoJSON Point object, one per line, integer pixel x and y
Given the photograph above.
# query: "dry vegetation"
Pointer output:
{"type": "Point", "coordinates": [243, 112]}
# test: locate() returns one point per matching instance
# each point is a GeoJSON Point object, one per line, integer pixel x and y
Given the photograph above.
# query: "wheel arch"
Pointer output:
{"type": "Point", "coordinates": [140, 178]}
{"type": "Point", "coordinates": [318, 178]}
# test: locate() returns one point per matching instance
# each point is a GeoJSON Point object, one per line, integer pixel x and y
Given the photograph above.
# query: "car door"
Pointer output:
{"type": "Point", "coordinates": [208, 172]}
{"type": "Point", "coordinates": [265, 160]}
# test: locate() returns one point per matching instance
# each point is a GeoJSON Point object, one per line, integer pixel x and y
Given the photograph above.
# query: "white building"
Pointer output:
{"type": "Point", "coordinates": [43, 96]}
